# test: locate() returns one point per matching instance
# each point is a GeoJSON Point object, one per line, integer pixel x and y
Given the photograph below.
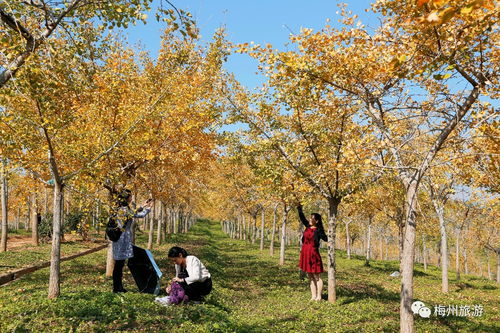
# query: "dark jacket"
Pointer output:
{"type": "Point", "coordinates": [319, 233]}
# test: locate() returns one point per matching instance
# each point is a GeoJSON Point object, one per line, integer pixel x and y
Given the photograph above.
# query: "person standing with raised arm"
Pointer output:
{"type": "Point", "coordinates": [122, 248]}
{"type": "Point", "coordinates": [310, 260]}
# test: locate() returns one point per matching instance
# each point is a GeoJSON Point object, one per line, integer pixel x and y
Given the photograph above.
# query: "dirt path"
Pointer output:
{"type": "Point", "coordinates": [16, 242]}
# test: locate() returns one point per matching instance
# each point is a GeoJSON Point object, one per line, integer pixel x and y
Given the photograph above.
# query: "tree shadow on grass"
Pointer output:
{"type": "Point", "coordinates": [458, 324]}
{"type": "Point", "coordinates": [355, 292]}
{"type": "Point", "coordinates": [390, 267]}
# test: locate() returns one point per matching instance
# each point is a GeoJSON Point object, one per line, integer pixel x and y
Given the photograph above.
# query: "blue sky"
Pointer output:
{"type": "Point", "coordinates": [259, 21]}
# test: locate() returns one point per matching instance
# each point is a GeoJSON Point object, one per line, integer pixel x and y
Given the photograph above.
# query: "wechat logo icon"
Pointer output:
{"type": "Point", "coordinates": [421, 309]}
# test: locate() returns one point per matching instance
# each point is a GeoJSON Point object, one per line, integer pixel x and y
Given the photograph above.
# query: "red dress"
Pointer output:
{"type": "Point", "coordinates": [310, 260]}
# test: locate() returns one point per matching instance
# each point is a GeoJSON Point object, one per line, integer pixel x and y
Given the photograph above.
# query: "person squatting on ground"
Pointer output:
{"type": "Point", "coordinates": [122, 248]}
{"type": "Point", "coordinates": [310, 259]}
{"type": "Point", "coordinates": [190, 273]}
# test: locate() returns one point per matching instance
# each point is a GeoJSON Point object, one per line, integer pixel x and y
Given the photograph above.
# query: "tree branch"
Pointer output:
{"type": "Point", "coordinates": [15, 25]}
{"type": "Point", "coordinates": [122, 137]}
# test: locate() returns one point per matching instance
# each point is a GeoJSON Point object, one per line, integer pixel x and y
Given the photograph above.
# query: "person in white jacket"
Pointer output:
{"type": "Point", "coordinates": [190, 273]}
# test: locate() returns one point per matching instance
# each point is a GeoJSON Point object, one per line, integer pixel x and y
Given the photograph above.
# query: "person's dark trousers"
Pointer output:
{"type": "Point", "coordinates": [117, 276]}
{"type": "Point", "coordinates": [196, 290]}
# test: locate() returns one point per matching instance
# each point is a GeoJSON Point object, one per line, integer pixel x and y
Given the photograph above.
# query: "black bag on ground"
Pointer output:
{"type": "Point", "coordinates": [113, 232]}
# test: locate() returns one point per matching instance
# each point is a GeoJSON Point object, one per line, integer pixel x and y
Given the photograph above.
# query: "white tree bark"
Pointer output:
{"type": "Point", "coordinates": [4, 200]}
{"type": "Point", "coordinates": [286, 209]}
{"type": "Point", "coordinates": [457, 253]}
{"type": "Point", "coordinates": [490, 276]}
{"type": "Point", "coordinates": [348, 239]}
{"type": "Point", "coordinates": [55, 258]}
{"type": "Point", "coordinates": [110, 262]}
{"type": "Point", "coordinates": [160, 224]}
{"type": "Point", "coordinates": [34, 220]}
{"type": "Point", "coordinates": [368, 242]}
{"type": "Point", "coordinates": [333, 204]}
{"type": "Point", "coordinates": [273, 231]}
{"type": "Point", "coordinates": [152, 227]}
{"type": "Point", "coordinates": [424, 254]}
{"type": "Point", "coordinates": [262, 224]}
{"type": "Point", "coordinates": [443, 244]}
{"type": "Point", "coordinates": [407, 262]}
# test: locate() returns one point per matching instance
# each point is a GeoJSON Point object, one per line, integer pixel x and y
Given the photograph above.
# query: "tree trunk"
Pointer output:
{"type": "Point", "coordinates": [443, 245]}
{"type": "Point", "coordinates": [254, 228]}
{"type": "Point", "coordinates": [144, 225]}
{"type": "Point", "coordinates": [490, 276]}
{"type": "Point", "coordinates": [28, 214]}
{"type": "Point", "coordinates": [98, 218]}
{"type": "Point", "coordinates": [273, 231]}
{"type": "Point", "coordinates": [242, 221]}
{"type": "Point", "coordinates": [239, 233]}
{"type": "Point", "coordinates": [34, 220]}
{"type": "Point", "coordinates": [62, 217]}
{"type": "Point", "coordinates": [4, 200]}
{"type": "Point", "coordinates": [386, 256]}
{"type": "Point", "coordinates": [481, 273]}
{"type": "Point", "coordinates": [348, 240]}
{"type": "Point", "coordinates": [18, 217]}
{"type": "Point", "coordinates": [167, 226]}
{"type": "Point", "coordinates": [245, 228]}
{"type": "Point", "coordinates": [160, 224]}
{"type": "Point", "coordinates": [333, 204]}
{"type": "Point", "coordinates": [368, 242]}
{"type": "Point", "coordinates": [381, 250]}
{"type": "Point", "coordinates": [407, 261]}
{"type": "Point", "coordinates": [439, 255]}
{"type": "Point", "coordinates": [466, 266]}
{"type": "Point", "coordinates": [188, 219]}
{"type": "Point", "coordinates": [110, 262]}
{"type": "Point", "coordinates": [152, 226]}
{"type": "Point", "coordinates": [498, 266]}
{"type": "Point", "coordinates": [174, 221]}
{"type": "Point", "coordinates": [46, 202]}
{"type": "Point", "coordinates": [286, 209]}
{"type": "Point", "coordinates": [262, 224]}
{"type": "Point", "coordinates": [457, 252]}
{"type": "Point", "coordinates": [424, 245]}
{"type": "Point", "coordinates": [55, 257]}
{"type": "Point", "coordinates": [238, 227]}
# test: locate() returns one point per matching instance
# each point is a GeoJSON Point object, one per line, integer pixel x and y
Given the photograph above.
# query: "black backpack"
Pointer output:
{"type": "Point", "coordinates": [113, 231]}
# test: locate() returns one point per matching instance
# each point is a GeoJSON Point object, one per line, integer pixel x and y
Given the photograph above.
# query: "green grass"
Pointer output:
{"type": "Point", "coordinates": [251, 294]}
{"type": "Point", "coordinates": [29, 255]}
{"type": "Point", "coordinates": [21, 232]}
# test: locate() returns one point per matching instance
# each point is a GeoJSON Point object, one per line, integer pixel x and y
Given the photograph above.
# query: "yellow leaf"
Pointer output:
{"type": "Point", "coordinates": [447, 14]}
{"type": "Point", "coordinates": [466, 10]}
{"type": "Point", "coordinates": [433, 17]}
{"type": "Point", "coordinates": [439, 3]}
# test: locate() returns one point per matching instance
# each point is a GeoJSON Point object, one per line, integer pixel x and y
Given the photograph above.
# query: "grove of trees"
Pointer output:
{"type": "Point", "coordinates": [390, 133]}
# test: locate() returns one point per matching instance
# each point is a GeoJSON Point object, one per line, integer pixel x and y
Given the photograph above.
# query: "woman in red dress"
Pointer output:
{"type": "Point", "coordinates": [310, 260]}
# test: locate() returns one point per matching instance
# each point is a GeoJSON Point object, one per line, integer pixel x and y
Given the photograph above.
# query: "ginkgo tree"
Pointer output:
{"type": "Point", "coordinates": [315, 134]}
{"type": "Point", "coordinates": [44, 105]}
{"type": "Point", "coordinates": [99, 114]}
{"type": "Point", "coordinates": [27, 25]}
{"type": "Point", "coordinates": [383, 72]}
